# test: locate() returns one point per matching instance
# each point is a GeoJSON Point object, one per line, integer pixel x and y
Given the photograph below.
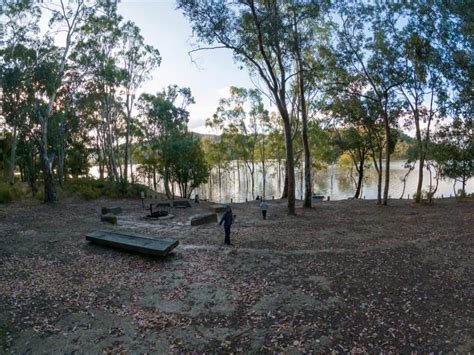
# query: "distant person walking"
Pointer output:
{"type": "Point", "coordinates": [264, 208]}
{"type": "Point", "coordinates": [227, 219]}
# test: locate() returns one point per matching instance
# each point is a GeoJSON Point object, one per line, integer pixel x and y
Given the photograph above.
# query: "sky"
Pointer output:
{"type": "Point", "coordinates": [209, 78]}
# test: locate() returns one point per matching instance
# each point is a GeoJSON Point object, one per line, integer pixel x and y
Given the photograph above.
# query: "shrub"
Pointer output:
{"type": "Point", "coordinates": [10, 192]}
{"type": "Point", "coordinates": [5, 193]}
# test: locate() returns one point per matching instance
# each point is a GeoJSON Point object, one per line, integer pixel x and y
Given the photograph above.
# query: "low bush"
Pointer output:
{"type": "Point", "coordinates": [90, 189]}
{"type": "Point", "coordinates": [10, 192]}
{"type": "Point", "coordinates": [5, 193]}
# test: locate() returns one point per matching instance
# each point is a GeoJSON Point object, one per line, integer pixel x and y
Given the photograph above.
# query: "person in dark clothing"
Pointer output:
{"type": "Point", "coordinates": [264, 208]}
{"type": "Point", "coordinates": [227, 219]}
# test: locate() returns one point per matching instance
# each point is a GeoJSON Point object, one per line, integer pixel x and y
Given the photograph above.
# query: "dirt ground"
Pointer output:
{"type": "Point", "coordinates": [343, 276]}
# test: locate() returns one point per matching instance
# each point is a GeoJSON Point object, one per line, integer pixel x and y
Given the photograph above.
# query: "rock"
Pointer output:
{"type": "Point", "coordinates": [181, 203]}
{"type": "Point", "coordinates": [163, 204]}
{"type": "Point", "coordinates": [203, 218]}
{"type": "Point", "coordinates": [162, 218]}
{"type": "Point", "coordinates": [217, 208]}
{"type": "Point", "coordinates": [169, 216]}
{"type": "Point", "coordinates": [112, 210]}
{"type": "Point", "coordinates": [109, 217]}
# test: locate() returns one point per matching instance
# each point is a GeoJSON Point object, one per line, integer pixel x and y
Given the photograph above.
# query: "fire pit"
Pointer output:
{"type": "Point", "coordinates": [156, 214]}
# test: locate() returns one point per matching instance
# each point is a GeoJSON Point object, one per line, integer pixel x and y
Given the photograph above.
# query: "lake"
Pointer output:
{"type": "Point", "coordinates": [334, 181]}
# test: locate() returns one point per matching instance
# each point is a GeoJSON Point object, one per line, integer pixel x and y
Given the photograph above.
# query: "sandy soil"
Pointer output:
{"type": "Point", "coordinates": [343, 276]}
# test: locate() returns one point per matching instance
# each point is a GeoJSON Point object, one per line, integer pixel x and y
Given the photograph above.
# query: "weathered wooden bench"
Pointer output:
{"type": "Point", "coordinates": [133, 242]}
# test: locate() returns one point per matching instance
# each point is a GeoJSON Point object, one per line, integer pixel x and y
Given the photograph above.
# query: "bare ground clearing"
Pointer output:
{"type": "Point", "coordinates": [346, 275]}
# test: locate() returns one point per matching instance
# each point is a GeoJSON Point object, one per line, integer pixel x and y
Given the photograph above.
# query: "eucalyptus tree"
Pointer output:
{"type": "Point", "coordinates": [218, 152]}
{"type": "Point", "coordinates": [276, 144]}
{"type": "Point", "coordinates": [185, 161]}
{"type": "Point", "coordinates": [96, 57]}
{"type": "Point", "coordinates": [454, 33]}
{"type": "Point", "coordinates": [306, 31]}
{"type": "Point", "coordinates": [366, 55]}
{"type": "Point", "coordinates": [67, 16]}
{"type": "Point", "coordinates": [17, 58]}
{"type": "Point", "coordinates": [241, 117]}
{"type": "Point", "coordinates": [162, 117]}
{"type": "Point", "coordinates": [353, 135]}
{"type": "Point", "coordinates": [257, 32]}
{"type": "Point", "coordinates": [424, 89]}
{"type": "Point", "coordinates": [137, 59]}
{"type": "Point", "coordinates": [17, 95]}
{"type": "Point", "coordinates": [456, 143]}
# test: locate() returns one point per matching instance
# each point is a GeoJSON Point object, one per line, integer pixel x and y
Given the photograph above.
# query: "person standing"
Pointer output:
{"type": "Point", "coordinates": [227, 219]}
{"type": "Point", "coordinates": [264, 208]}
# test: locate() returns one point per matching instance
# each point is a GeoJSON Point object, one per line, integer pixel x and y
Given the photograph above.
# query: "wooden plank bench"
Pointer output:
{"type": "Point", "coordinates": [133, 242]}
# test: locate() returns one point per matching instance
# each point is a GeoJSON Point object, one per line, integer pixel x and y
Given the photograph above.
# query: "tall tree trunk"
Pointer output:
{"type": "Point", "coordinates": [132, 176]}
{"type": "Point", "coordinates": [11, 175]}
{"type": "Point", "coordinates": [307, 152]}
{"type": "Point", "coordinates": [387, 161]}
{"type": "Point", "coordinates": [220, 179]}
{"type": "Point", "coordinates": [360, 171]}
{"type": "Point", "coordinates": [421, 160]}
{"type": "Point", "coordinates": [61, 157]}
{"type": "Point", "coordinates": [31, 172]}
{"type": "Point", "coordinates": [285, 183]}
{"type": "Point", "coordinates": [47, 164]}
{"type": "Point", "coordinates": [166, 185]}
{"type": "Point", "coordinates": [290, 163]}
{"type": "Point", "coordinates": [252, 174]}
{"type": "Point", "coordinates": [62, 147]}
{"type": "Point", "coordinates": [129, 105]}
{"type": "Point", "coordinates": [154, 179]}
{"type": "Point", "coordinates": [378, 167]}
{"type": "Point", "coordinates": [279, 173]}
{"type": "Point", "coordinates": [46, 159]}
{"type": "Point", "coordinates": [110, 142]}
{"type": "Point", "coordinates": [238, 173]}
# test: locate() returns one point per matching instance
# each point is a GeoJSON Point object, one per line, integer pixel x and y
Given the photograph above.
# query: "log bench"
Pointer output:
{"type": "Point", "coordinates": [133, 242]}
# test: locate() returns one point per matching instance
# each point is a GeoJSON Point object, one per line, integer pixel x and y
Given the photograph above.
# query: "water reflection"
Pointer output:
{"type": "Point", "coordinates": [335, 181]}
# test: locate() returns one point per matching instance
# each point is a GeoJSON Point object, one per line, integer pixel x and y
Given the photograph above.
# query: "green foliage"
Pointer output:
{"type": "Point", "coordinates": [184, 161]}
{"type": "Point", "coordinates": [455, 150]}
{"type": "Point", "coordinates": [10, 192]}
{"type": "Point", "coordinates": [5, 193]}
{"type": "Point", "coordinates": [461, 194]}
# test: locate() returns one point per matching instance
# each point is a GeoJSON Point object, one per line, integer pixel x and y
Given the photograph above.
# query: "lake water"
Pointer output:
{"type": "Point", "coordinates": [334, 181]}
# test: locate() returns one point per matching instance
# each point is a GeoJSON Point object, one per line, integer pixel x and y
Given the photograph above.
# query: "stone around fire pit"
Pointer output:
{"type": "Point", "coordinates": [113, 210]}
{"type": "Point", "coordinates": [109, 217]}
{"type": "Point", "coordinates": [162, 218]}
{"type": "Point", "coordinates": [217, 208]}
{"type": "Point", "coordinates": [203, 218]}
{"type": "Point", "coordinates": [181, 203]}
{"type": "Point", "coordinates": [163, 204]}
